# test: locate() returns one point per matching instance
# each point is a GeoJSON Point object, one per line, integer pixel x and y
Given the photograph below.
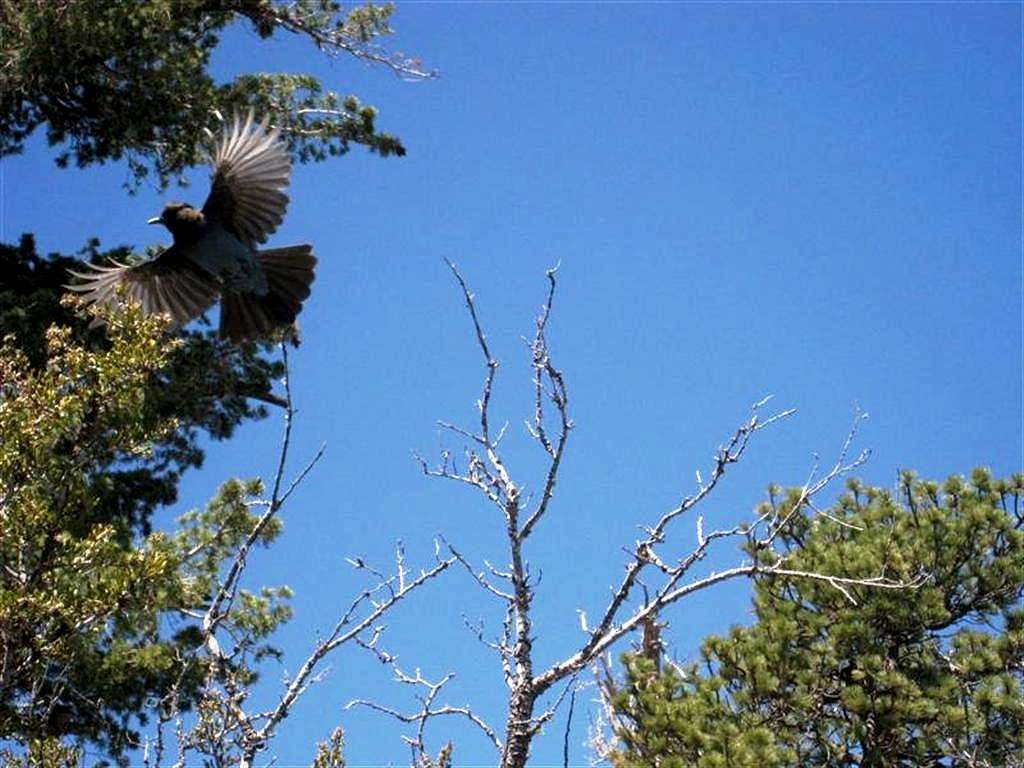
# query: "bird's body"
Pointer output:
{"type": "Point", "coordinates": [214, 254]}
{"type": "Point", "coordinates": [214, 249]}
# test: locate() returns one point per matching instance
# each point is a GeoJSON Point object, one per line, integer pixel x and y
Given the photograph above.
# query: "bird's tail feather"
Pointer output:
{"type": "Point", "coordinates": [289, 271]}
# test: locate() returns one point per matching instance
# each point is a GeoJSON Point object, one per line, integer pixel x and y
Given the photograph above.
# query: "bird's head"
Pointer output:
{"type": "Point", "coordinates": [184, 221]}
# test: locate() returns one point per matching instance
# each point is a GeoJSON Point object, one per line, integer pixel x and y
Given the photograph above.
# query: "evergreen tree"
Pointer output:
{"type": "Point", "coordinates": [131, 80]}
{"type": "Point", "coordinates": [930, 676]}
{"type": "Point", "coordinates": [76, 594]}
{"type": "Point", "coordinates": [97, 424]}
{"type": "Point", "coordinates": [96, 634]}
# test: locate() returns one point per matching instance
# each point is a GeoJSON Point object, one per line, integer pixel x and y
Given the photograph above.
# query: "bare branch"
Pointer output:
{"type": "Point", "coordinates": [343, 633]}
{"type": "Point", "coordinates": [492, 364]}
{"type": "Point", "coordinates": [811, 488]}
{"type": "Point", "coordinates": [549, 713]}
{"type": "Point", "coordinates": [593, 650]}
{"type": "Point", "coordinates": [559, 395]}
{"type": "Point", "coordinates": [724, 457]}
{"type": "Point", "coordinates": [427, 711]}
{"type": "Point", "coordinates": [337, 39]}
{"type": "Point", "coordinates": [226, 688]}
{"type": "Point", "coordinates": [568, 730]}
{"type": "Point", "coordinates": [478, 576]}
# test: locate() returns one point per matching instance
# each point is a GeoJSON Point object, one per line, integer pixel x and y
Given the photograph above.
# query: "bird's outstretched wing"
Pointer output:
{"type": "Point", "coordinates": [251, 166]}
{"type": "Point", "coordinates": [169, 284]}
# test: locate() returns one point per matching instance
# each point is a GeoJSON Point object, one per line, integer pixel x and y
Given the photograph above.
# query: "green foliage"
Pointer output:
{"type": "Point", "coordinates": [41, 753]}
{"type": "Point", "coordinates": [78, 602]}
{"type": "Point", "coordinates": [206, 386]}
{"type": "Point", "coordinates": [928, 676]}
{"type": "Point", "coordinates": [97, 628]}
{"type": "Point", "coordinates": [330, 754]}
{"type": "Point", "coordinates": [210, 537]}
{"type": "Point", "coordinates": [130, 80]}
{"type": "Point", "coordinates": [98, 615]}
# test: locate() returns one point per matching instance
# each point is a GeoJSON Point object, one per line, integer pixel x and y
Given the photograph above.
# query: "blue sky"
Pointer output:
{"type": "Point", "coordinates": [816, 201]}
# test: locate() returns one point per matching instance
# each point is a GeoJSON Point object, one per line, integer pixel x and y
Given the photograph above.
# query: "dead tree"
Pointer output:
{"type": "Point", "coordinates": [486, 470]}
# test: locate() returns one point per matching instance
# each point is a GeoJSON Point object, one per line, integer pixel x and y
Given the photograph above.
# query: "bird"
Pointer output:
{"type": "Point", "coordinates": [214, 253]}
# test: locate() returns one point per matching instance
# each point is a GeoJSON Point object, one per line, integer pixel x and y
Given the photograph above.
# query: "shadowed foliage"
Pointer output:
{"type": "Point", "coordinates": [208, 386]}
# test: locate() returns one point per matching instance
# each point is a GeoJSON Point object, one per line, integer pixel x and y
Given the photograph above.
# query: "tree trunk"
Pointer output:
{"type": "Point", "coordinates": [519, 731]}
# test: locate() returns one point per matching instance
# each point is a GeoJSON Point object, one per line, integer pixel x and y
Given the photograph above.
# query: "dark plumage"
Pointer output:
{"type": "Point", "coordinates": [214, 253]}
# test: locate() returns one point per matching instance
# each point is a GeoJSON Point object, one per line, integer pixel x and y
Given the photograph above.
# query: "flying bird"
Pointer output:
{"type": "Point", "coordinates": [214, 254]}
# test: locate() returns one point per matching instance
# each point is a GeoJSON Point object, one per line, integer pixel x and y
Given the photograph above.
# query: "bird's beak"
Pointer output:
{"type": "Point", "coordinates": [155, 220]}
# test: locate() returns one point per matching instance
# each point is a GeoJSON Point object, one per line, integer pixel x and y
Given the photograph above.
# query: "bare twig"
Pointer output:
{"type": "Point", "coordinates": [568, 729]}
{"type": "Point", "coordinates": [427, 711]}
{"type": "Point", "coordinates": [334, 39]}
{"type": "Point", "coordinates": [559, 395]}
{"type": "Point", "coordinates": [346, 630]}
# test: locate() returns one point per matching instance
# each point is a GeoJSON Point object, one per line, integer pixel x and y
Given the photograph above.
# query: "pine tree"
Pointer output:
{"type": "Point", "coordinates": [929, 676]}
{"type": "Point", "coordinates": [79, 599]}
{"type": "Point", "coordinates": [89, 655]}
{"type": "Point", "coordinates": [131, 81]}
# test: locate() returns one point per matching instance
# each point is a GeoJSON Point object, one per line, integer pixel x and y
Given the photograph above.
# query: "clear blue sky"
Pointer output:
{"type": "Point", "coordinates": [816, 201]}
